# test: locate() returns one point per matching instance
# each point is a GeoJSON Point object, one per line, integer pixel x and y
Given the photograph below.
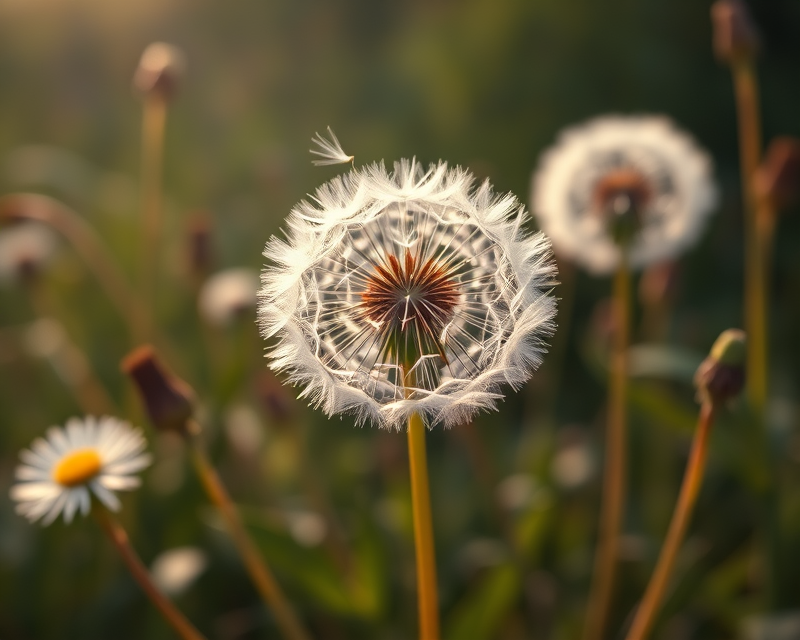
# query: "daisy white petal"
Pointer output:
{"type": "Point", "coordinates": [643, 162]}
{"type": "Point", "coordinates": [105, 496]}
{"type": "Point", "coordinates": [59, 474]}
{"type": "Point", "coordinates": [330, 151]}
{"type": "Point", "coordinates": [406, 292]}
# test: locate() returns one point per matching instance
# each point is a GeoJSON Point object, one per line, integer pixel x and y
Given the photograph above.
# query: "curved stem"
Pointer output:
{"type": "Point", "coordinates": [31, 206]}
{"type": "Point", "coordinates": [692, 479]}
{"type": "Point", "coordinates": [119, 538]}
{"type": "Point", "coordinates": [614, 475]}
{"type": "Point", "coordinates": [262, 577]}
{"type": "Point", "coordinates": [423, 531]}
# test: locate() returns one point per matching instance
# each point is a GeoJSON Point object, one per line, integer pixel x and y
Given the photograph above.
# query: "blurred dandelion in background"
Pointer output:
{"type": "Point", "coordinates": [26, 248]}
{"type": "Point", "coordinates": [407, 291]}
{"type": "Point", "coordinates": [90, 456]}
{"type": "Point", "coordinates": [612, 168]}
{"type": "Point", "coordinates": [228, 295]}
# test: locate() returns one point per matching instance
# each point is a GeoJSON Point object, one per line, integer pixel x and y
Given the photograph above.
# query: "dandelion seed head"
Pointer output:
{"type": "Point", "coordinates": [615, 180]}
{"type": "Point", "coordinates": [407, 291]}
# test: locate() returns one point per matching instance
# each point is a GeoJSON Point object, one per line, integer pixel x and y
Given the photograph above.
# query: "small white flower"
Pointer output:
{"type": "Point", "coordinates": [330, 151]}
{"type": "Point", "coordinates": [25, 248]}
{"type": "Point", "coordinates": [614, 163]}
{"type": "Point", "coordinates": [405, 292]}
{"type": "Point", "coordinates": [90, 456]}
{"type": "Point", "coordinates": [227, 294]}
{"type": "Point", "coordinates": [175, 570]}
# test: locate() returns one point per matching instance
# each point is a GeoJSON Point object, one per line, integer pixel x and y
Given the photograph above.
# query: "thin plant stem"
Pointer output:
{"type": "Point", "coordinates": [745, 85]}
{"type": "Point", "coordinates": [154, 119]}
{"type": "Point", "coordinates": [759, 224]}
{"type": "Point", "coordinates": [87, 243]}
{"type": "Point", "coordinates": [615, 472]}
{"type": "Point", "coordinates": [423, 531]}
{"type": "Point", "coordinates": [119, 538]}
{"type": "Point", "coordinates": [262, 577]}
{"type": "Point", "coordinates": [692, 479]}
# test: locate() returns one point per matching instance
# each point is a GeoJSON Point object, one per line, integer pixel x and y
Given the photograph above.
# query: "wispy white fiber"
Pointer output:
{"type": "Point", "coordinates": [330, 151]}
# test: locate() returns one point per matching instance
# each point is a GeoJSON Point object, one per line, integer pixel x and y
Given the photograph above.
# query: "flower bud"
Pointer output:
{"type": "Point", "coordinates": [735, 36]}
{"type": "Point", "coordinates": [159, 71]}
{"type": "Point", "coordinates": [168, 399]}
{"type": "Point", "coordinates": [778, 177]}
{"type": "Point", "coordinates": [720, 377]}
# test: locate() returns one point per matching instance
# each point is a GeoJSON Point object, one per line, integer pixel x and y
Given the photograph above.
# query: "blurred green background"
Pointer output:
{"type": "Point", "coordinates": [481, 83]}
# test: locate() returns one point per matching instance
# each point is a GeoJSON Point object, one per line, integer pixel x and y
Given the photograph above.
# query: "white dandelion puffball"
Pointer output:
{"type": "Point", "coordinates": [227, 295]}
{"type": "Point", "coordinates": [407, 291]}
{"type": "Point", "coordinates": [89, 456]}
{"type": "Point", "coordinates": [621, 163]}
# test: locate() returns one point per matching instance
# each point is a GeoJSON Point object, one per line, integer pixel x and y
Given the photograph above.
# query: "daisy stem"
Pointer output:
{"type": "Point", "coordinates": [262, 577]}
{"type": "Point", "coordinates": [154, 119]}
{"type": "Point", "coordinates": [692, 479]}
{"type": "Point", "coordinates": [423, 531]}
{"type": "Point", "coordinates": [87, 243]}
{"type": "Point", "coordinates": [614, 475]}
{"type": "Point", "coordinates": [119, 538]}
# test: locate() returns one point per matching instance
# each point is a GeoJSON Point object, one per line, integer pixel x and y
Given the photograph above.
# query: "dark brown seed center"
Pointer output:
{"type": "Point", "coordinates": [410, 295]}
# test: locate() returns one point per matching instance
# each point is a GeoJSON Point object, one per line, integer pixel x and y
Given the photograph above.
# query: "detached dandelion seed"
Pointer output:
{"type": "Point", "coordinates": [330, 151]}
{"type": "Point", "coordinates": [631, 175]}
{"type": "Point", "coordinates": [407, 292]}
{"type": "Point", "coordinates": [90, 456]}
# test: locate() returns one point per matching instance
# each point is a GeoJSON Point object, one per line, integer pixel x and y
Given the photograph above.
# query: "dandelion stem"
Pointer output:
{"type": "Point", "coordinates": [262, 577]}
{"type": "Point", "coordinates": [758, 234]}
{"type": "Point", "coordinates": [423, 531]}
{"type": "Point", "coordinates": [746, 89]}
{"type": "Point", "coordinates": [614, 475]}
{"type": "Point", "coordinates": [154, 120]}
{"type": "Point", "coordinates": [119, 538]}
{"type": "Point", "coordinates": [692, 479]}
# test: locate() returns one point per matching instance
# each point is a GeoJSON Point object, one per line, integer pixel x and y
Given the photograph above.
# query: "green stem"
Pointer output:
{"type": "Point", "coordinates": [119, 538]}
{"type": "Point", "coordinates": [692, 479]}
{"type": "Point", "coordinates": [423, 531]}
{"type": "Point", "coordinates": [262, 577]}
{"type": "Point", "coordinates": [614, 475]}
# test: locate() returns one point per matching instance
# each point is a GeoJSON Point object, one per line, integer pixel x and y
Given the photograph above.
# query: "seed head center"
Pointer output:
{"type": "Point", "coordinates": [410, 296]}
{"type": "Point", "coordinates": [77, 468]}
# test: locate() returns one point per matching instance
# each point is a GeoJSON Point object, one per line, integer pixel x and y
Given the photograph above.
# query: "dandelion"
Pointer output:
{"type": "Point", "coordinates": [407, 292]}
{"type": "Point", "coordinates": [227, 295]}
{"type": "Point", "coordinates": [89, 457]}
{"type": "Point", "coordinates": [25, 250]}
{"type": "Point", "coordinates": [408, 296]}
{"type": "Point", "coordinates": [637, 180]}
{"type": "Point", "coordinates": [330, 151]}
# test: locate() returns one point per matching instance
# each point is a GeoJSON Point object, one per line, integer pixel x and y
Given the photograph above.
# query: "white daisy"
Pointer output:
{"type": "Point", "coordinates": [614, 165]}
{"type": "Point", "coordinates": [90, 456]}
{"type": "Point", "coordinates": [408, 291]}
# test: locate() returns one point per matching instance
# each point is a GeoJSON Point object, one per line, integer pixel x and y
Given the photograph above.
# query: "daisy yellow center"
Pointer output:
{"type": "Point", "coordinates": [77, 468]}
